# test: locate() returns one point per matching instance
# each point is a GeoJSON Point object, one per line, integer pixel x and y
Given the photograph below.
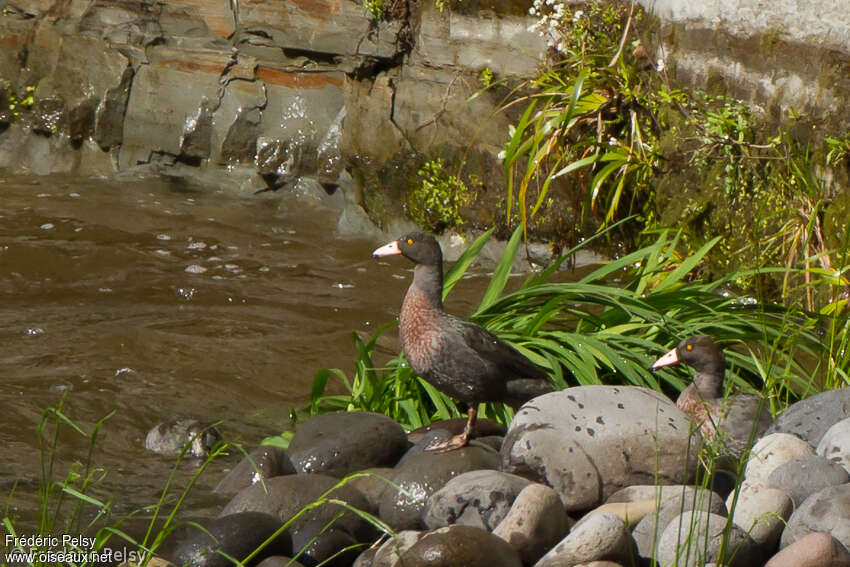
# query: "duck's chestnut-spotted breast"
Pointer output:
{"type": "Point", "coordinates": [419, 330]}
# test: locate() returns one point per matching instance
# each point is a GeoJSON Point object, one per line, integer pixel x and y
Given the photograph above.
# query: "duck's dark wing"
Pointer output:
{"type": "Point", "coordinates": [498, 363]}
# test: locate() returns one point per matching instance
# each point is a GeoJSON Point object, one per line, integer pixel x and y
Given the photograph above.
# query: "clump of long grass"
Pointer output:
{"type": "Point", "coordinates": [607, 327]}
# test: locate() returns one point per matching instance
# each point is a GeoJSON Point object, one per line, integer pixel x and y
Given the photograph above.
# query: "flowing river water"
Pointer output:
{"type": "Point", "coordinates": [156, 299]}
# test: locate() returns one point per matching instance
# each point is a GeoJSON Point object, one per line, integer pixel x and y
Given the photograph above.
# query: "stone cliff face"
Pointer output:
{"type": "Point", "coordinates": [269, 89]}
{"type": "Point", "coordinates": [259, 92]}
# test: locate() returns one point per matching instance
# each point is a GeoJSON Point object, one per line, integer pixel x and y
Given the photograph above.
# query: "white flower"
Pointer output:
{"type": "Point", "coordinates": [577, 15]}
{"type": "Point", "coordinates": [660, 66]}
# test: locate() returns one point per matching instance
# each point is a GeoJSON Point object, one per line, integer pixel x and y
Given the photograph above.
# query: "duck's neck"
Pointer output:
{"type": "Point", "coordinates": [708, 381]}
{"type": "Point", "coordinates": [428, 280]}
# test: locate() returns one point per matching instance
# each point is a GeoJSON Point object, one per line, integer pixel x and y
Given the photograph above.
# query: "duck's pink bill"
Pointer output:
{"type": "Point", "coordinates": [668, 359]}
{"type": "Point", "coordinates": [390, 249]}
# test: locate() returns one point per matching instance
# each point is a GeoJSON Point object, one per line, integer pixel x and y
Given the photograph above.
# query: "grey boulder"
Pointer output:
{"type": "Point", "coordinates": [590, 441]}
{"type": "Point", "coordinates": [803, 476]}
{"type": "Point", "coordinates": [476, 498]}
{"type": "Point", "coordinates": [423, 475]}
{"type": "Point", "coordinates": [811, 417]}
{"type": "Point", "coordinates": [825, 511]}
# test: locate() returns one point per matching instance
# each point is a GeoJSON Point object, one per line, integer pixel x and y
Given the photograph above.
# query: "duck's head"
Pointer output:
{"type": "Point", "coordinates": [699, 352]}
{"type": "Point", "coordinates": [419, 247]}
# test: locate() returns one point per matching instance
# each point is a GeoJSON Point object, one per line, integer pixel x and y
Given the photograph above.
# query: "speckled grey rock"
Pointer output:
{"type": "Point", "coordinates": [818, 549]}
{"type": "Point", "coordinates": [824, 511]}
{"type": "Point", "coordinates": [476, 498]}
{"type": "Point", "coordinates": [287, 495]}
{"type": "Point", "coordinates": [590, 441]}
{"type": "Point", "coordinates": [602, 536]}
{"type": "Point", "coordinates": [835, 444]}
{"type": "Point", "coordinates": [535, 523]}
{"type": "Point", "coordinates": [261, 463]}
{"type": "Point", "coordinates": [342, 442]}
{"type": "Point", "coordinates": [454, 546]}
{"type": "Point", "coordinates": [803, 476]}
{"type": "Point", "coordinates": [761, 512]}
{"type": "Point", "coordinates": [695, 537]}
{"type": "Point", "coordinates": [235, 534]}
{"type": "Point", "coordinates": [170, 437]}
{"type": "Point", "coordinates": [810, 418]}
{"type": "Point", "coordinates": [671, 502]}
{"type": "Point", "coordinates": [771, 451]}
{"type": "Point", "coordinates": [423, 475]}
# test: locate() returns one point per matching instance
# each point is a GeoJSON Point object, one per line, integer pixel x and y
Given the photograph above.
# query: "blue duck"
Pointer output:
{"type": "Point", "coordinates": [730, 419]}
{"type": "Point", "coordinates": [461, 359]}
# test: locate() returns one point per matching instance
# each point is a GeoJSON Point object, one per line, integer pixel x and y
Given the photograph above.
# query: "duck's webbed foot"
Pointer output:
{"type": "Point", "coordinates": [450, 444]}
{"type": "Point", "coordinates": [456, 441]}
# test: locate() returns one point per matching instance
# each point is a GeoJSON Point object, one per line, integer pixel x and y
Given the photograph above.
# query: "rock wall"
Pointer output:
{"type": "Point", "coordinates": [255, 93]}
{"type": "Point", "coordinates": [779, 55]}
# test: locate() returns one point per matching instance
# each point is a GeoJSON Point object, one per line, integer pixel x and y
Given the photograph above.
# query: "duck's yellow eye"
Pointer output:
{"type": "Point", "coordinates": [410, 241]}
{"type": "Point", "coordinates": [689, 347]}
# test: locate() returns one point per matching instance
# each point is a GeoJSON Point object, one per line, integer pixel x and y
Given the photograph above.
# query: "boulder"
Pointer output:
{"type": "Point", "coordinates": [421, 476]}
{"type": "Point", "coordinates": [811, 417]}
{"type": "Point", "coordinates": [343, 442]}
{"type": "Point", "coordinates": [825, 511]}
{"type": "Point", "coordinates": [601, 536]}
{"type": "Point", "coordinates": [590, 441]}
{"type": "Point", "coordinates": [476, 498]}
{"type": "Point", "coordinates": [835, 444]}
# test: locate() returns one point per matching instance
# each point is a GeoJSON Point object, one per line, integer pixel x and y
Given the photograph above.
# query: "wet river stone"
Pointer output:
{"type": "Point", "coordinates": [389, 554]}
{"type": "Point", "coordinates": [824, 511]}
{"type": "Point", "coordinates": [454, 546]}
{"type": "Point", "coordinates": [342, 442]}
{"type": "Point", "coordinates": [483, 427]}
{"type": "Point", "coordinates": [261, 463]}
{"type": "Point", "coordinates": [236, 535]}
{"type": "Point", "coordinates": [476, 498]}
{"type": "Point", "coordinates": [423, 475]}
{"type": "Point", "coordinates": [811, 417]}
{"type": "Point", "coordinates": [588, 442]}
{"type": "Point", "coordinates": [287, 495]}
{"type": "Point", "coordinates": [279, 561]}
{"type": "Point", "coordinates": [170, 437]}
{"type": "Point", "coordinates": [318, 544]}
{"type": "Point", "coordinates": [372, 485]}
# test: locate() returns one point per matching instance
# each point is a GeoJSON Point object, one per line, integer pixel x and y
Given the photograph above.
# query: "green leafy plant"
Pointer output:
{"type": "Point", "coordinates": [436, 202]}
{"type": "Point", "coordinates": [375, 8]}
